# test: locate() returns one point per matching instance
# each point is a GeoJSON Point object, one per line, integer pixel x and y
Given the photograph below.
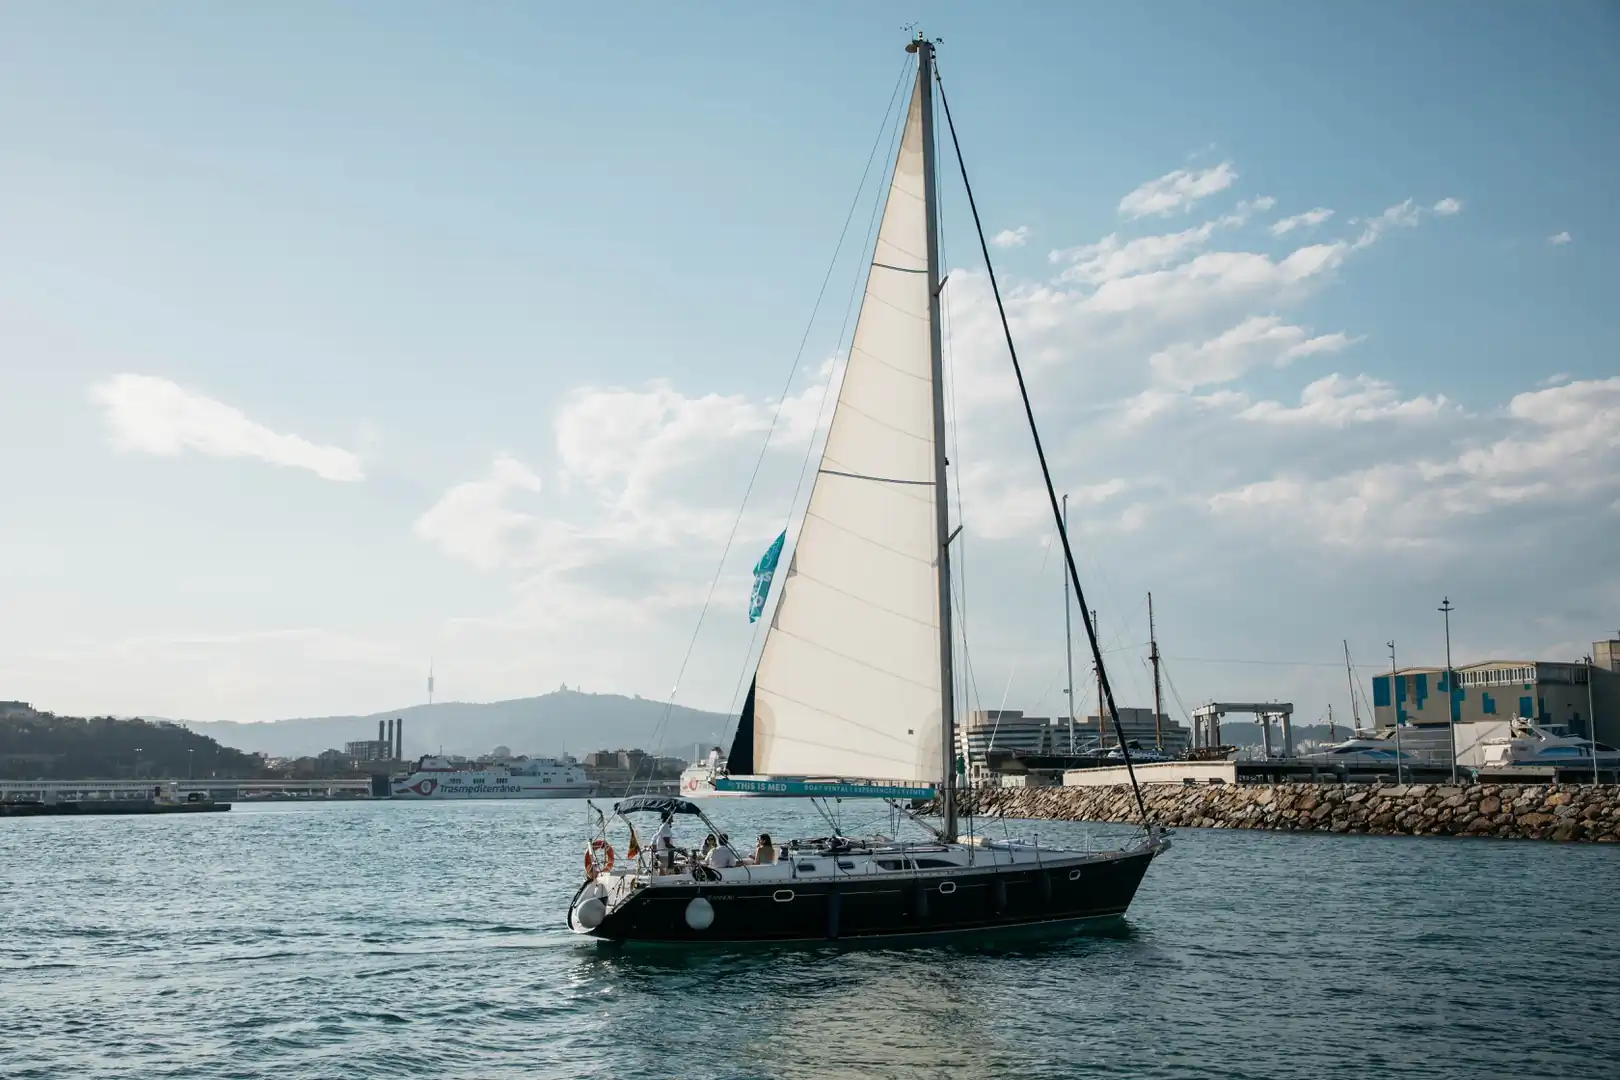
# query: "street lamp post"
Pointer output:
{"type": "Point", "coordinates": [1395, 700]}
{"type": "Point", "coordinates": [1451, 688]}
{"type": "Point", "coordinates": [137, 763]}
{"type": "Point", "coordinates": [189, 760]}
{"type": "Point", "coordinates": [1591, 720]}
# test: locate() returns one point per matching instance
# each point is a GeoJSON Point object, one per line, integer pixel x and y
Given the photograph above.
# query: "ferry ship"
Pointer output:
{"type": "Point", "coordinates": [524, 778]}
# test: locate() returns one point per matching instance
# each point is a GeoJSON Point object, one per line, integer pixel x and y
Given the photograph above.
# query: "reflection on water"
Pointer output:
{"type": "Point", "coordinates": [381, 940]}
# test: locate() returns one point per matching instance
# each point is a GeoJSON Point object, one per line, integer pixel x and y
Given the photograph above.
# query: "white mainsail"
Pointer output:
{"type": "Point", "coordinates": [848, 682]}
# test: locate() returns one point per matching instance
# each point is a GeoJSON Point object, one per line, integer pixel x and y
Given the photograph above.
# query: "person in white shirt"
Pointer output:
{"type": "Point", "coordinates": [722, 856]}
{"type": "Point", "coordinates": [663, 843]}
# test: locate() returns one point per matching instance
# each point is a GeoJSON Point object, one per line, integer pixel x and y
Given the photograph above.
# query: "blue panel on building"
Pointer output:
{"type": "Point", "coordinates": [1381, 691]}
{"type": "Point", "coordinates": [1487, 704]}
{"type": "Point", "coordinates": [1524, 708]}
{"type": "Point", "coordinates": [1421, 694]}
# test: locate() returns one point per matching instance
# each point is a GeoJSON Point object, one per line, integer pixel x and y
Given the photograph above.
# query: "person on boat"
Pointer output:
{"type": "Point", "coordinates": [764, 851]}
{"type": "Point", "coordinates": [709, 843]}
{"type": "Point", "coordinates": [721, 856]}
{"type": "Point", "coordinates": [664, 843]}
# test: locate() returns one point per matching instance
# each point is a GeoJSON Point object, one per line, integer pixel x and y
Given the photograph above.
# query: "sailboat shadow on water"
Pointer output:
{"type": "Point", "coordinates": [853, 694]}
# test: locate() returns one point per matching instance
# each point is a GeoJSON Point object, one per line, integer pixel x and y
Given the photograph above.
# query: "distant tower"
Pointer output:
{"type": "Point", "coordinates": [430, 682]}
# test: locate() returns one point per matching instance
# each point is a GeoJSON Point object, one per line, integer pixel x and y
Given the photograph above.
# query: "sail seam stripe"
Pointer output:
{"type": "Point", "coordinates": [901, 269]}
{"type": "Point", "coordinates": [847, 531]}
{"type": "Point", "coordinates": [876, 359]}
{"type": "Point", "coordinates": [877, 479]}
{"type": "Point", "coordinates": [870, 295]}
{"type": "Point", "coordinates": [861, 600]}
{"type": "Point", "coordinates": [835, 716]}
{"type": "Point", "coordinates": [858, 662]}
{"type": "Point", "coordinates": [856, 409]}
{"type": "Point", "coordinates": [904, 251]}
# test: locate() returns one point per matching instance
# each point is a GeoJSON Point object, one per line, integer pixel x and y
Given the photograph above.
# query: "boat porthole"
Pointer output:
{"type": "Point", "coordinates": [782, 896]}
{"type": "Point", "coordinates": [1074, 875]}
{"type": "Point", "coordinates": [946, 888]}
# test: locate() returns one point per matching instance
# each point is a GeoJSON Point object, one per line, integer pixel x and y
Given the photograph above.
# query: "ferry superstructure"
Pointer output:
{"type": "Point", "coordinates": [523, 778]}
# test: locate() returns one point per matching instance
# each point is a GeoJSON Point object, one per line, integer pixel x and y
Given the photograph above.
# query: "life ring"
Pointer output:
{"type": "Point", "coordinates": [591, 869]}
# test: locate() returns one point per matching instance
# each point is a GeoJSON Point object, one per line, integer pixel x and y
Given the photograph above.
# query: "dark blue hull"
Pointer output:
{"type": "Point", "coordinates": [861, 907]}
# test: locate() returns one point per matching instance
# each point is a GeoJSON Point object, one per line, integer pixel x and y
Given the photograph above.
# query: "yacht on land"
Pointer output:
{"type": "Point", "coordinates": [853, 693]}
{"type": "Point", "coordinates": [1529, 744]}
{"type": "Point", "coordinates": [1364, 748]}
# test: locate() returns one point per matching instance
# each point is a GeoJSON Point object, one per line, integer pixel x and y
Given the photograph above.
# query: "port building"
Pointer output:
{"type": "Point", "coordinates": [1582, 697]}
{"type": "Point", "coordinates": [1009, 731]}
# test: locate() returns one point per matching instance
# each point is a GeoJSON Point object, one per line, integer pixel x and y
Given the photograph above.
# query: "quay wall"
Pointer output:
{"type": "Point", "coordinates": [1504, 811]}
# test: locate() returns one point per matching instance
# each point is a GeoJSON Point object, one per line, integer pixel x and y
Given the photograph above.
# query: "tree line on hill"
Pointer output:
{"type": "Point", "coordinates": [43, 746]}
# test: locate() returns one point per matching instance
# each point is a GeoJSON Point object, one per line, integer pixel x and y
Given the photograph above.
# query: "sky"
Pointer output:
{"type": "Point", "coordinates": [341, 340]}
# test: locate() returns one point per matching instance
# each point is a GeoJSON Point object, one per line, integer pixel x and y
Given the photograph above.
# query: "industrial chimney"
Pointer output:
{"type": "Point", "coordinates": [379, 731]}
{"type": "Point", "coordinates": [399, 739]}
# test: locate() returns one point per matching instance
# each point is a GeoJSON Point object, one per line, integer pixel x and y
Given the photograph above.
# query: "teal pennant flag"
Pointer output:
{"type": "Point", "coordinates": [764, 570]}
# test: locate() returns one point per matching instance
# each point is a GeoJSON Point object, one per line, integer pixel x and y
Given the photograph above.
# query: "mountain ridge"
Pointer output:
{"type": "Point", "coordinates": [569, 721]}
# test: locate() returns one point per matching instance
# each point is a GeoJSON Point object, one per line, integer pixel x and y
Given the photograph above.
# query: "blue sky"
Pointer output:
{"type": "Point", "coordinates": [335, 337]}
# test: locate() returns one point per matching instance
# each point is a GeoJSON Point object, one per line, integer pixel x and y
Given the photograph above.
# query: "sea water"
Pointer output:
{"type": "Point", "coordinates": [428, 940]}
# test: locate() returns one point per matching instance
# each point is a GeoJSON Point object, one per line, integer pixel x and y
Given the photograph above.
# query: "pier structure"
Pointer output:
{"type": "Point", "coordinates": [61, 790]}
{"type": "Point", "coordinates": [1206, 721]}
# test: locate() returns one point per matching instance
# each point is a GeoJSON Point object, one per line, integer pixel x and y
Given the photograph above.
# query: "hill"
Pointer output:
{"type": "Point", "coordinates": [550, 724]}
{"type": "Point", "coordinates": [1247, 733]}
{"type": "Point", "coordinates": [42, 746]}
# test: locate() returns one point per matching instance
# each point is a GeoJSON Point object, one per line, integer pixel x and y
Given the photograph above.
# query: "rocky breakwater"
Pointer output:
{"type": "Point", "coordinates": [1528, 812]}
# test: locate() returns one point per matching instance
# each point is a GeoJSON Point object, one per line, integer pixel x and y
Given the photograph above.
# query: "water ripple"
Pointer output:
{"type": "Point", "coordinates": [379, 940]}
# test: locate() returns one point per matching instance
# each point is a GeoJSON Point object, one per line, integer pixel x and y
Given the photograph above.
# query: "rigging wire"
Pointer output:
{"type": "Point", "coordinates": [1012, 671]}
{"type": "Point", "coordinates": [1046, 474]}
{"type": "Point", "coordinates": [776, 414]}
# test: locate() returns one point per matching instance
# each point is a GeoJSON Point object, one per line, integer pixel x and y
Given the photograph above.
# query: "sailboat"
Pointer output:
{"type": "Point", "coordinates": [853, 692]}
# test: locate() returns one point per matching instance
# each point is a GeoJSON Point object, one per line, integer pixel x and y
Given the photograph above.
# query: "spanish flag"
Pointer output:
{"type": "Point", "coordinates": [635, 846]}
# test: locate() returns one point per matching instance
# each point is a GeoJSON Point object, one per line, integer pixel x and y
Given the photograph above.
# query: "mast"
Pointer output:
{"type": "Point", "coordinates": [1350, 677]}
{"type": "Point", "coordinates": [1068, 638]}
{"type": "Point", "coordinates": [1153, 647]}
{"type": "Point", "coordinates": [942, 508]}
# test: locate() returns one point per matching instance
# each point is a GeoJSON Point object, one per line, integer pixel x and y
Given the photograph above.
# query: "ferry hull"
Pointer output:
{"type": "Point", "coordinates": [874, 909]}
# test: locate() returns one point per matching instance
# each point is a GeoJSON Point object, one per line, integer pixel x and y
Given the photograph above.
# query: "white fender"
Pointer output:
{"type": "Point", "coordinates": [699, 914]}
{"type": "Point", "coordinates": [591, 913]}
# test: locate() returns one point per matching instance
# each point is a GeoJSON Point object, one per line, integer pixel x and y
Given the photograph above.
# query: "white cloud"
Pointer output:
{"type": "Point", "coordinates": [1216, 277]}
{"type": "Point", "coordinates": [1403, 215]}
{"type": "Point", "coordinates": [1334, 401]}
{"type": "Point", "coordinates": [1258, 340]}
{"type": "Point", "coordinates": [1011, 238]}
{"type": "Point", "coordinates": [1310, 219]}
{"type": "Point", "coordinates": [1447, 206]}
{"type": "Point", "coordinates": [1559, 238]}
{"type": "Point", "coordinates": [1177, 191]}
{"type": "Point", "coordinates": [474, 521]}
{"type": "Point", "coordinates": [1561, 445]}
{"type": "Point", "coordinates": [149, 415]}
{"type": "Point", "coordinates": [1111, 258]}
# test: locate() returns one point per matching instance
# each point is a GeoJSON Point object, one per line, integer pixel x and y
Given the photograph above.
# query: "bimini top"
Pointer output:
{"type": "Point", "coordinates": [661, 804]}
